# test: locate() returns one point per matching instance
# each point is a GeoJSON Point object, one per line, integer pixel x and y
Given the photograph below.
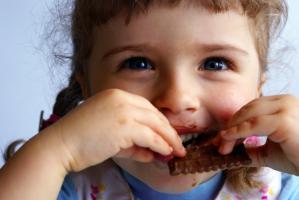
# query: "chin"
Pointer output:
{"type": "Point", "coordinates": [156, 175]}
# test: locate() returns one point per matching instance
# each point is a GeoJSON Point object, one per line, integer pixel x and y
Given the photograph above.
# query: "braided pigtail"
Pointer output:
{"type": "Point", "coordinates": [66, 100]}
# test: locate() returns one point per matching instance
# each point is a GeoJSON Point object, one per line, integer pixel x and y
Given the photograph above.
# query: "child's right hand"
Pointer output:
{"type": "Point", "coordinates": [115, 123]}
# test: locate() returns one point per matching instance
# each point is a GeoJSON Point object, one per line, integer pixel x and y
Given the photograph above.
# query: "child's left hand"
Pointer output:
{"type": "Point", "coordinates": [276, 117]}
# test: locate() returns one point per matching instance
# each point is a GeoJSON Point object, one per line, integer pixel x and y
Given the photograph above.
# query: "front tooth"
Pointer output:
{"type": "Point", "coordinates": [194, 135]}
{"type": "Point", "coordinates": [183, 137]}
{"type": "Point", "coordinates": [187, 137]}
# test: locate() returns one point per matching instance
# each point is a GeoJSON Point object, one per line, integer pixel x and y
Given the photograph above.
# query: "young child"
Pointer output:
{"type": "Point", "coordinates": [148, 73]}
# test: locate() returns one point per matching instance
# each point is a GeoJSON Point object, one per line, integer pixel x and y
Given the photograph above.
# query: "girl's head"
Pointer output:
{"type": "Point", "coordinates": [197, 61]}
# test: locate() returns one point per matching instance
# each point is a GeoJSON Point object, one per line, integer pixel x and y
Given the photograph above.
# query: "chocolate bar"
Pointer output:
{"type": "Point", "coordinates": [203, 156]}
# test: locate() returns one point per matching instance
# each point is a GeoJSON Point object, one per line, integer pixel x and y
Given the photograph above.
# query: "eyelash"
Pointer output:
{"type": "Point", "coordinates": [124, 64]}
{"type": "Point", "coordinates": [220, 59]}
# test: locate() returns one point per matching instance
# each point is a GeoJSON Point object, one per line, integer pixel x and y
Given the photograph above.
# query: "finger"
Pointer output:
{"type": "Point", "coordinates": [258, 107]}
{"type": "Point", "coordinates": [262, 126]}
{"type": "Point", "coordinates": [137, 153]}
{"type": "Point", "coordinates": [226, 146]}
{"type": "Point", "coordinates": [134, 100]}
{"type": "Point", "coordinates": [267, 105]}
{"type": "Point", "coordinates": [165, 130]}
{"type": "Point", "coordinates": [147, 138]}
{"type": "Point", "coordinates": [141, 102]}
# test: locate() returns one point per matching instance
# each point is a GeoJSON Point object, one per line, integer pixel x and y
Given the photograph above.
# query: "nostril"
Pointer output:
{"type": "Point", "coordinates": [191, 109]}
{"type": "Point", "coordinates": [168, 111]}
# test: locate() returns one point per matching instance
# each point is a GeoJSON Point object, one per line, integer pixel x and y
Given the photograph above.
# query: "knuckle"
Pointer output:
{"type": "Point", "coordinates": [156, 140]}
{"type": "Point", "coordinates": [123, 120]}
{"type": "Point", "coordinates": [243, 128]}
{"type": "Point", "coordinates": [147, 135]}
{"type": "Point", "coordinates": [113, 92]}
{"type": "Point", "coordinates": [151, 115]}
{"type": "Point", "coordinates": [255, 121]}
{"type": "Point", "coordinates": [285, 121]}
{"type": "Point", "coordinates": [122, 108]}
{"type": "Point", "coordinates": [284, 110]}
{"type": "Point", "coordinates": [245, 109]}
{"type": "Point", "coordinates": [289, 99]}
{"type": "Point", "coordinates": [112, 95]}
{"type": "Point", "coordinates": [125, 143]}
{"type": "Point", "coordinates": [241, 112]}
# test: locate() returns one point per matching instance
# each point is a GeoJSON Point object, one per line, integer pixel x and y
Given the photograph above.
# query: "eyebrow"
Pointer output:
{"type": "Point", "coordinates": [223, 47]}
{"type": "Point", "coordinates": [138, 47]}
{"type": "Point", "coordinates": [203, 47]}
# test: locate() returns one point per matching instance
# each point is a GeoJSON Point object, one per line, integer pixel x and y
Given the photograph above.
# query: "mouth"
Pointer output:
{"type": "Point", "coordinates": [189, 139]}
{"type": "Point", "coordinates": [203, 138]}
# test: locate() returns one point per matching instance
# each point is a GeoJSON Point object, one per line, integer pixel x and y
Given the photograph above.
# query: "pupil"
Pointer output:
{"type": "Point", "coordinates": [215, 64]}
{"type": "Point", "coordinates": [138, 63]}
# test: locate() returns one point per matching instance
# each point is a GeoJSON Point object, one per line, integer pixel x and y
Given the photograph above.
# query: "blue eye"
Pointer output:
{"type": "Point", "coordinates": [137, 63]}
{"type": "Point", "coordinates": [215, 64]}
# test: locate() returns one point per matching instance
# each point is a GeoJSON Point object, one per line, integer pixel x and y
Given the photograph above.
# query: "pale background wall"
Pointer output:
{"type": "Point", "coordinates": [27, 86]}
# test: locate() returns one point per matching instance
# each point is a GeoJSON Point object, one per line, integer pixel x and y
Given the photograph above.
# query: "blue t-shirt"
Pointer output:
{"type": "Point", "coordinates": [289, 189]}
{"type": "Point", "coordinates": [208, 189]}
{"type": "Point", "coordinates": [67, 191]}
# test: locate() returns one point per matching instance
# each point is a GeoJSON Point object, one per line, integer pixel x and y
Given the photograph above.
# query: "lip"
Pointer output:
{"type": "Point", "coordinates": [182, 130]}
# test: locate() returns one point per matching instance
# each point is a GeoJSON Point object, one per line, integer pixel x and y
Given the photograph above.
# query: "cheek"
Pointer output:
{"type": "Point", "coordinates": [225, 106]}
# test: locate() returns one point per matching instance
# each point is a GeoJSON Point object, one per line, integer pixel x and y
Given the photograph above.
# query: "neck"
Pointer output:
{"type": "Point", "coordinates": [208, 189]}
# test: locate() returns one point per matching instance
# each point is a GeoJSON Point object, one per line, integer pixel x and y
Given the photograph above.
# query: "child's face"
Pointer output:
{"type": "Point", "coordinates": [198, 68]}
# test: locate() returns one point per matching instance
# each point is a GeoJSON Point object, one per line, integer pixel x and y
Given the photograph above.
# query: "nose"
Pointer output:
{"type": "Point", "coordinates": [177, 96]}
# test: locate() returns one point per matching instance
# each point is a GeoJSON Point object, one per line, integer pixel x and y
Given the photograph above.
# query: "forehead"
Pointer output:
{"type": "Point", "coordinates": [102, 11]}
{"type": "Point", "coordinates": [179, 26]}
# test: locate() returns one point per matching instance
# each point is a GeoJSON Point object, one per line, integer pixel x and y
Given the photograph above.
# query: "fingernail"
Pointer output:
{"type": "Point", "coordinates": [223, 133]}
{"type": "Point", "coordinates": [179, 138]}
{"type": "Point", "coordinates": [182, 151]}
{"type": "Point", "coordinates": [221, 149]}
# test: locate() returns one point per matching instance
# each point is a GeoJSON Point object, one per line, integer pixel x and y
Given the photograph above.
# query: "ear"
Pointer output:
{"type": "Point", "coordinates": [80, 77]}
{"type": "Point", "coordinates": [261, 84]}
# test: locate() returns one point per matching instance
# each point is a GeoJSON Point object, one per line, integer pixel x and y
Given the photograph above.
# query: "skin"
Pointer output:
{"type": "Point", "coordinates": [133, 113]}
